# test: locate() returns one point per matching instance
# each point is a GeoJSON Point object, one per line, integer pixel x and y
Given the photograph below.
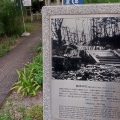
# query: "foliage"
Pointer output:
{"type": "Point", "coordinates": [9, 113]}
{"type": "Point", "coordinates": [39, 48]}
{"type": "Point", "coordinates": [37, 66]}
{"type": "Point", "coordinates": [30, 27]}
{"type": "Point", "coordinates": [30, 78]}
{"type": "Point", "coordinates": [26, 83]}
{"type": "Point", "coordinates": [22, 111]}
{"type": "Point", "coordinates": [10, 18]}
{"type": "Point", "coordinates": [35, 112]}
{"type": "Point", "coordinates": [1, 28]}
{"type": "Point", "coordinates": [5, 47]}
{"type": "Point", "coordinates": [27, 19]}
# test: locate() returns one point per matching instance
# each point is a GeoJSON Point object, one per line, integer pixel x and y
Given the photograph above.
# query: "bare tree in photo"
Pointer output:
{"type": "Point", "coordinates": [56, 28]}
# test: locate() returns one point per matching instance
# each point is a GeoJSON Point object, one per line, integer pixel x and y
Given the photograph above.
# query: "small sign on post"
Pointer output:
{"type": "Point", "coordinates": [72, 2]}
{"type": "Point", "coordinates": [27, 3]}
{"type": "Point", "coordinates": [24, 4]}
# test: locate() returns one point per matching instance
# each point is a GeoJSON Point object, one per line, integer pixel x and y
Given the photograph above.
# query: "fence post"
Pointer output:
{"type": "Point", "coordinates": [58, 2]}
{"type": "Point", "coordinates": [46, 2]}
{"type": "Point", "coordinates": [37, 15]}
{"type": "Point", "coordinates": [49, 2]}
{"type": "Point", "coordinates": [31, 16]}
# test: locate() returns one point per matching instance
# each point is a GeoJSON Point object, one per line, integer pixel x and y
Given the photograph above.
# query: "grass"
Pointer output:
{"type": "Point", "coordinates": [5, 46]}
{"type": "Point", "coordinates": [6, 43]}
{"type": "Point", "coordinates": [30, 27]}
{"type": "Point", "coordinates": [12, 112]}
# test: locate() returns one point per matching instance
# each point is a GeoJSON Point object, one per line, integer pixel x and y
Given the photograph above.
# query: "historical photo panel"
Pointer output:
{"type": "Point", "coordinates": [86, 48]}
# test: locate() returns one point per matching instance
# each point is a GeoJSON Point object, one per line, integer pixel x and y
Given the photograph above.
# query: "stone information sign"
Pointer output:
{"type": "Point", "coordinates": [81, 56]}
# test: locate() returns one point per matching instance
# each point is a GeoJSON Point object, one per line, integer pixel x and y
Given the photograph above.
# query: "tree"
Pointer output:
{"type": "Point", "coordinates": [10, 17]}
{"type": "Point", "coordinates": [56, 29]}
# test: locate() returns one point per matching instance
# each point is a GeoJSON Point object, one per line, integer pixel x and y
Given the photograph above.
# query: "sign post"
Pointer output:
{"type": "Point", "coordinates": [25, 3]}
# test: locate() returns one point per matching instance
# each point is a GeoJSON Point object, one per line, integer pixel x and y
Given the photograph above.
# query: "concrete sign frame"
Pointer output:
{"type": "Point", "coordinates": [47, 13]}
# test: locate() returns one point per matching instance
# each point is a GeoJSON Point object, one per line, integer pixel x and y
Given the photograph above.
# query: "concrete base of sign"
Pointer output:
{"type": "Point", "coordinates": [25, 34]}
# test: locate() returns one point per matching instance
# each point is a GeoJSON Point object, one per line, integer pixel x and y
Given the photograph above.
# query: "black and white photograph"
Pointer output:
{"type": "Point", "coordinates": [86, 48]}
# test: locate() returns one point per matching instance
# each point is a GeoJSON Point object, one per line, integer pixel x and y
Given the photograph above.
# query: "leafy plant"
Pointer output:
{"type": "Point", "coordinates": [30, 78]}
{"type": "Point", "coordinates": [26, 83]}
{"type": "Point", "coordinates": [35, 112]}
{"type": "Point", "coordinates": [37, 67]}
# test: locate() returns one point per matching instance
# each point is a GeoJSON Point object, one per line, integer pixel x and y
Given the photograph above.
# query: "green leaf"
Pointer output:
{"type": "Point", "coordinates": [34, 93]}
{"type": "Point", "coordinates": [37, 87]}
{"type": "Point", "coordinates": [20, 87]}
{"type": "Point", "coordinates": [15, 87]}
{"type": "Point", "coordinates": [19, 74]}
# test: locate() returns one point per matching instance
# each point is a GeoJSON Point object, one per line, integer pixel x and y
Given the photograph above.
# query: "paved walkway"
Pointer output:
{"type": "Point", "coordinates": [15, 60]}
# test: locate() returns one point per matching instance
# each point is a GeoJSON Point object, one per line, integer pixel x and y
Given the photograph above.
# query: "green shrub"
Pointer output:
{"type": "Point", "coordinates": [5, 47]}
{"type": "Point", "coordinates": [30, 78]}
{"type": "Point", "coordinates": [1, 28]}
{"type": "Point", "coordinates": [10, 17]}
{"type": "Point", "coordinates": [35, 112]}
{"type": "Point", "coordinates": [37, 66]}
{"type": "Point", "coordinates": [26, 83]}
